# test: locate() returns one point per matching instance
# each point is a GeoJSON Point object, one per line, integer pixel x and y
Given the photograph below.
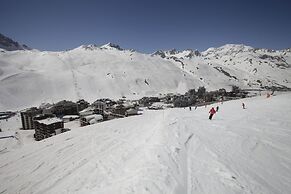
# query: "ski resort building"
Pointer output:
{"type": "Point", "coordinates": [47, 126]}
{"type": "Point", "coordinates": [99, 107]}
{"type": "Point", "coordinates": [90, 119]}
{"type": "Point", "coordinates": [68, 118]}
{"type": "Point", "coordinates": [27, 117]}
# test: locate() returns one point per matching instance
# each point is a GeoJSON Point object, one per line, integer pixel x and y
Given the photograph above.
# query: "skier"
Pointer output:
{"type": "Point", "coordinates": [243, 106]}
{"type": "Point", "coordinates": [212, 112]}
{"type": "Point", "coordinates": [190, 108]}
{"type": "Point", "coordinates": [195, 107]}
{"type": "Point", "coordinates": [217, 108]}
{"type": "Point", "coordinates": [221, 99]}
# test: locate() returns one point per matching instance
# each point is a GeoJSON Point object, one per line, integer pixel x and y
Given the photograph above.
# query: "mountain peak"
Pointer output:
{"type": "Point", "coordinates": [188, 53]}
{"type": "Point", "coordinates": [11, 45]}
{"type": "Point", "coordinates": [192, 53]}
{"type": "Point", "coordinates": [229, 49]}
{"type": "Point", "coordinates": [159, 53]}
{"type": "Point", "coordinates": [172, 51]}
{"type": "Point", "coordinates": [236, 47]}
{"type": "Point", "coordinates": [89, 47]}
{"type": "Point", "coordinates": [111, 46]}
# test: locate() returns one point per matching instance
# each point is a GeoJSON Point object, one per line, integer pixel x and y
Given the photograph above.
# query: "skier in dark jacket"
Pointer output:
{"type": "Point", "coordinates": [212, 112]}
{"type": "Point", "coordinates": [217, 108]}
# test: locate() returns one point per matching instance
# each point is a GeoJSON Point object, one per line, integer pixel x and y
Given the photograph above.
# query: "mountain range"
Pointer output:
{"type": "Point", "coordinates": [29, 77]}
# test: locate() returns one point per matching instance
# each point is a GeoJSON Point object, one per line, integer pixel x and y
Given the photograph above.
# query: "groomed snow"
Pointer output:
{"type": "Point", "coordinates": [167, 151]}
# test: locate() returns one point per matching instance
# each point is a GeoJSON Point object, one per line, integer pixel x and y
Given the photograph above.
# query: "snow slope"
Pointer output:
{"type": "Point", "coordinates": [168, 151]}
{"type": "Point", "coordinates": [30, 77]}
{"type": "Point", "coordinates": [11, 127]}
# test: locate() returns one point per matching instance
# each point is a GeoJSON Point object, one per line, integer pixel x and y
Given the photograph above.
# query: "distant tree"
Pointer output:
{"type": "Point", "coordinates": [82, 104]}
{"type": "Point", "coordinates": [201, 92]}
{"type": "Point", "coordinates": [235, 89]}
{"type": "Point", "coordinates": [222, 92]}
{"type": "Point", "coordinates": [192, 100]}
{"type": "Point", "coordinates": [191, 92]}
{"type": "Point", "coordinates": [209, 97]}
{"type": "Point", "coordinates": [181, 102]}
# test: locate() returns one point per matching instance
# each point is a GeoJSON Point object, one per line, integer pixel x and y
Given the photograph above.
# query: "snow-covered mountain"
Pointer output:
{"type": "Point", "coordinates": [31, 77]}
{"type": "Point", "coordinates": [10, 45]}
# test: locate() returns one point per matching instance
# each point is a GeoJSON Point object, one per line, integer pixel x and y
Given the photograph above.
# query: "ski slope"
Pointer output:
{"type": "Point", "coordinates": [168, 151]}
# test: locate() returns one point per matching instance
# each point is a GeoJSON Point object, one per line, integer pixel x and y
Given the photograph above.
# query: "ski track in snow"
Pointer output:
{"type": "Point", "coordinates": [167, 151]}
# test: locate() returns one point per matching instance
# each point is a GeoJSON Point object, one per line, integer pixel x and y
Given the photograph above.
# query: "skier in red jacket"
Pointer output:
{"type": "Point", "coordinates": [212, 112]}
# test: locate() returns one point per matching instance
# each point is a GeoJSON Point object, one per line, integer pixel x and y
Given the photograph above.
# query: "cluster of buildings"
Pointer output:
{"type": "Point", "coordinates": [48, 120]}
{"type": "Point", "coordinates": [45, 125]}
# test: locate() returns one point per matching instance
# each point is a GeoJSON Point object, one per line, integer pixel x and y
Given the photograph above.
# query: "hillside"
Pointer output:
{"type": "Point", "coordinates": [31, 77]}
{"type": "Point", "coordinates": [169, 151]}
{"type": "Point", "coordinates": [11, 45]}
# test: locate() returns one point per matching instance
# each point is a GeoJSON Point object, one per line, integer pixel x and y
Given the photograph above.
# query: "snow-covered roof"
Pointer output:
{"type": "Point", "coordinates": [70, 116]}
{"type": "Point", "coordinates": [49, 121]}
{"type": "Point", "coordinates": [95, 116]}
{"type": "Point", "coordinates": [87, 109]}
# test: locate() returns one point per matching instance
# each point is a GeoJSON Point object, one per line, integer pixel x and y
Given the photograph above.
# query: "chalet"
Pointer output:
{"type": "Point", "coordinates": [27, 117]}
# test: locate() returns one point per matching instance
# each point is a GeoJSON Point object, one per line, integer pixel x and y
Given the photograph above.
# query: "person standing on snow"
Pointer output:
{"type": "Point", "coordinates": [217, 108]}
{"type": "Point", "coordinates": [243, 106]}
{"type": "Point", "coordinates": [212, 112]}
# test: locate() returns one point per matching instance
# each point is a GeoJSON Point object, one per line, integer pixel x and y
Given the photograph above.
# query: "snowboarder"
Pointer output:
{"type": "Point", "coordinates": [212, 112]}
{"type": "Point", "coordinates": [217, 108]}
{"type": "Point", "coordinates": [243, 106]}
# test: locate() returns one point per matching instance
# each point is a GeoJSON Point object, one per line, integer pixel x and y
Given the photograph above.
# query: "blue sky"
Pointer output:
{"type": "Point", "coordinates": [147, 25]}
